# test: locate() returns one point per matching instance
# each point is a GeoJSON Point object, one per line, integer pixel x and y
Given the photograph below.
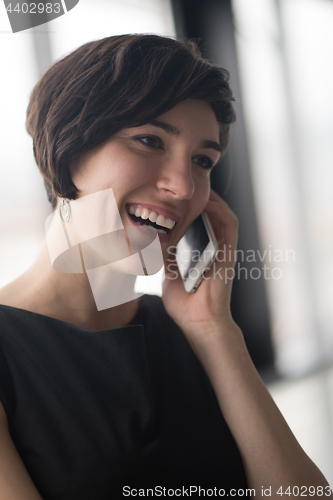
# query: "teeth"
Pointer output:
{"type": "Point", "coordinates": [169, 223]}
{"type": "Point", "coordinates": [160, 221]}
{"type": "Point", "coordinates": [144, 214]}
{"type": "Point", "coordinates": [152, 216]}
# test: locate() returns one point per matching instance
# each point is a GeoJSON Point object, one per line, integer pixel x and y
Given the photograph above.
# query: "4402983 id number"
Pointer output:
{"type": "Point", "coordinates": [306, 491]}
{"type": "Point", "coordinates": [35, 8]}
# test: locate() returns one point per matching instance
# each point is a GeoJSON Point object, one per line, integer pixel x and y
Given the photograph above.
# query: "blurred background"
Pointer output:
{"type": "Point", "coordinates": [277, 175]}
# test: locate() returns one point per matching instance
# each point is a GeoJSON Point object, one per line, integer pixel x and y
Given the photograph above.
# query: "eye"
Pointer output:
{"type": "Point", "coordinates": [204, 162]}
{"type": "Point", "coordinates": [150, 140]}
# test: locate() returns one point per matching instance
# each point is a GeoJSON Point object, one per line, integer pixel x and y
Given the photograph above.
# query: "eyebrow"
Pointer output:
{"type": "Point", "coordinates": [170, 129]}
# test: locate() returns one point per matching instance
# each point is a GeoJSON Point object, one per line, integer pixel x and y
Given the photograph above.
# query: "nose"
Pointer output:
{"type": "Point", "coordinates": [176, 178]}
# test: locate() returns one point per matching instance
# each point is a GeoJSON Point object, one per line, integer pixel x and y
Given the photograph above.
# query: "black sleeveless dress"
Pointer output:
{"type": "Point", "coordinates": [93, 412]}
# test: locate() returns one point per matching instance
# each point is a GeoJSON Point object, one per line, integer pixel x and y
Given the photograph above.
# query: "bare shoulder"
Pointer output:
{"type": "Point", "coordinates": [3, 418]}
{"type": "Point", "coordinates": [8, 295]}
{"type": "Point", "coordinates": [15, 293]}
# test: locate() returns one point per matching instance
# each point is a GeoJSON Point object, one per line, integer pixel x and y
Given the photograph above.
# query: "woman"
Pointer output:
{"type": "Point", "coordinates": [97, 404]}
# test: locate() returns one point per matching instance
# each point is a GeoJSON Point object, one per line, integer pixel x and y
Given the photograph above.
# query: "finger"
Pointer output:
{"type": "Point", "coordinates": [216, 201]}
{"type": "Point", "coordinates": [224, 222]}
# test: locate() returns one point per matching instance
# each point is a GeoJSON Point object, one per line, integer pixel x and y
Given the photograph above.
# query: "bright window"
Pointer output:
{"type": "Point", "coordinates": [286, 71]}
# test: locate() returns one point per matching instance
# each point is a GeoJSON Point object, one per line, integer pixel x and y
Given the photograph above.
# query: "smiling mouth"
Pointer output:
{"type": "Point", "coordinates": [150, 224]}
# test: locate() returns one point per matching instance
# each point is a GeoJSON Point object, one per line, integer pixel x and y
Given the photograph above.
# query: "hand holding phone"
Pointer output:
{"type": "Point", "coordinates": [198, 313]}
{"type": "Point", "coordinates": [196, 251]}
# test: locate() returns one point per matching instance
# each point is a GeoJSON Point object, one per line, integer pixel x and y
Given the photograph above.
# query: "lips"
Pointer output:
{"type": "Point", "coordinates": [144, 226]}
{"type": "Point", "coordinates": [158, 209]}
{"type": "Point", "coordinates": [151, 218]}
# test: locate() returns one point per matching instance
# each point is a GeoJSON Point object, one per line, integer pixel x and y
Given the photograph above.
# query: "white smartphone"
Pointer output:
{"type": "Point", "coordinates": [196, 251]}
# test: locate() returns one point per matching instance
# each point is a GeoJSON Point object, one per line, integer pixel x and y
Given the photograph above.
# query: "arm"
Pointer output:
{"type": "Point", "coordinates": [270, 453]}
{"type": "Point", "coordinates": [15, 482]}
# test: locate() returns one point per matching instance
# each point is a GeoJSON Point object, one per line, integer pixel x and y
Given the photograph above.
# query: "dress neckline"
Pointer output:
{"type": "Point", "coordinates": [136, 320]}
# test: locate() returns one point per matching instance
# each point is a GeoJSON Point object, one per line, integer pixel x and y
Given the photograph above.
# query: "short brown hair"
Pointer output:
{"type": "Point", "coordinates": [114, 83]}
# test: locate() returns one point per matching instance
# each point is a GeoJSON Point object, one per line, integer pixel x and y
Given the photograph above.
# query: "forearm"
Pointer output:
{"type": "Point", "coordinates": [271, 455]}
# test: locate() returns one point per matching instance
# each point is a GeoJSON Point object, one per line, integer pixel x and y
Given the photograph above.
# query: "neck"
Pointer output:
{"type": "Point", "coordinates": [69, 297]}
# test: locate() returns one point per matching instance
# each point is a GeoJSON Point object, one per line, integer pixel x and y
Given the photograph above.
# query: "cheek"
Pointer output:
{"type": "Point", "coordinates": [123, 173]}
{"type": "Point", "coordinates": [201, 197]}
{"type": "Point", "coordinates": [132, 168]}
{"type": "Point", "coordinates": [129, 179]}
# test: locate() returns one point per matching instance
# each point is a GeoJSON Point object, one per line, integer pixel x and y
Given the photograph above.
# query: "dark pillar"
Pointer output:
{"type": "Point", "coordinates": [211, 22]}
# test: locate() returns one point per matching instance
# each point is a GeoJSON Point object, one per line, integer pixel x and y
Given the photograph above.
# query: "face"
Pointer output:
{"type": "Point", "coordinates": [159, 172]}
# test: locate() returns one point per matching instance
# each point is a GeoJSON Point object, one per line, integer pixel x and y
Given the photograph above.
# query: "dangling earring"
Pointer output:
{"type": "Point", "coordinates": [65, 211]}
